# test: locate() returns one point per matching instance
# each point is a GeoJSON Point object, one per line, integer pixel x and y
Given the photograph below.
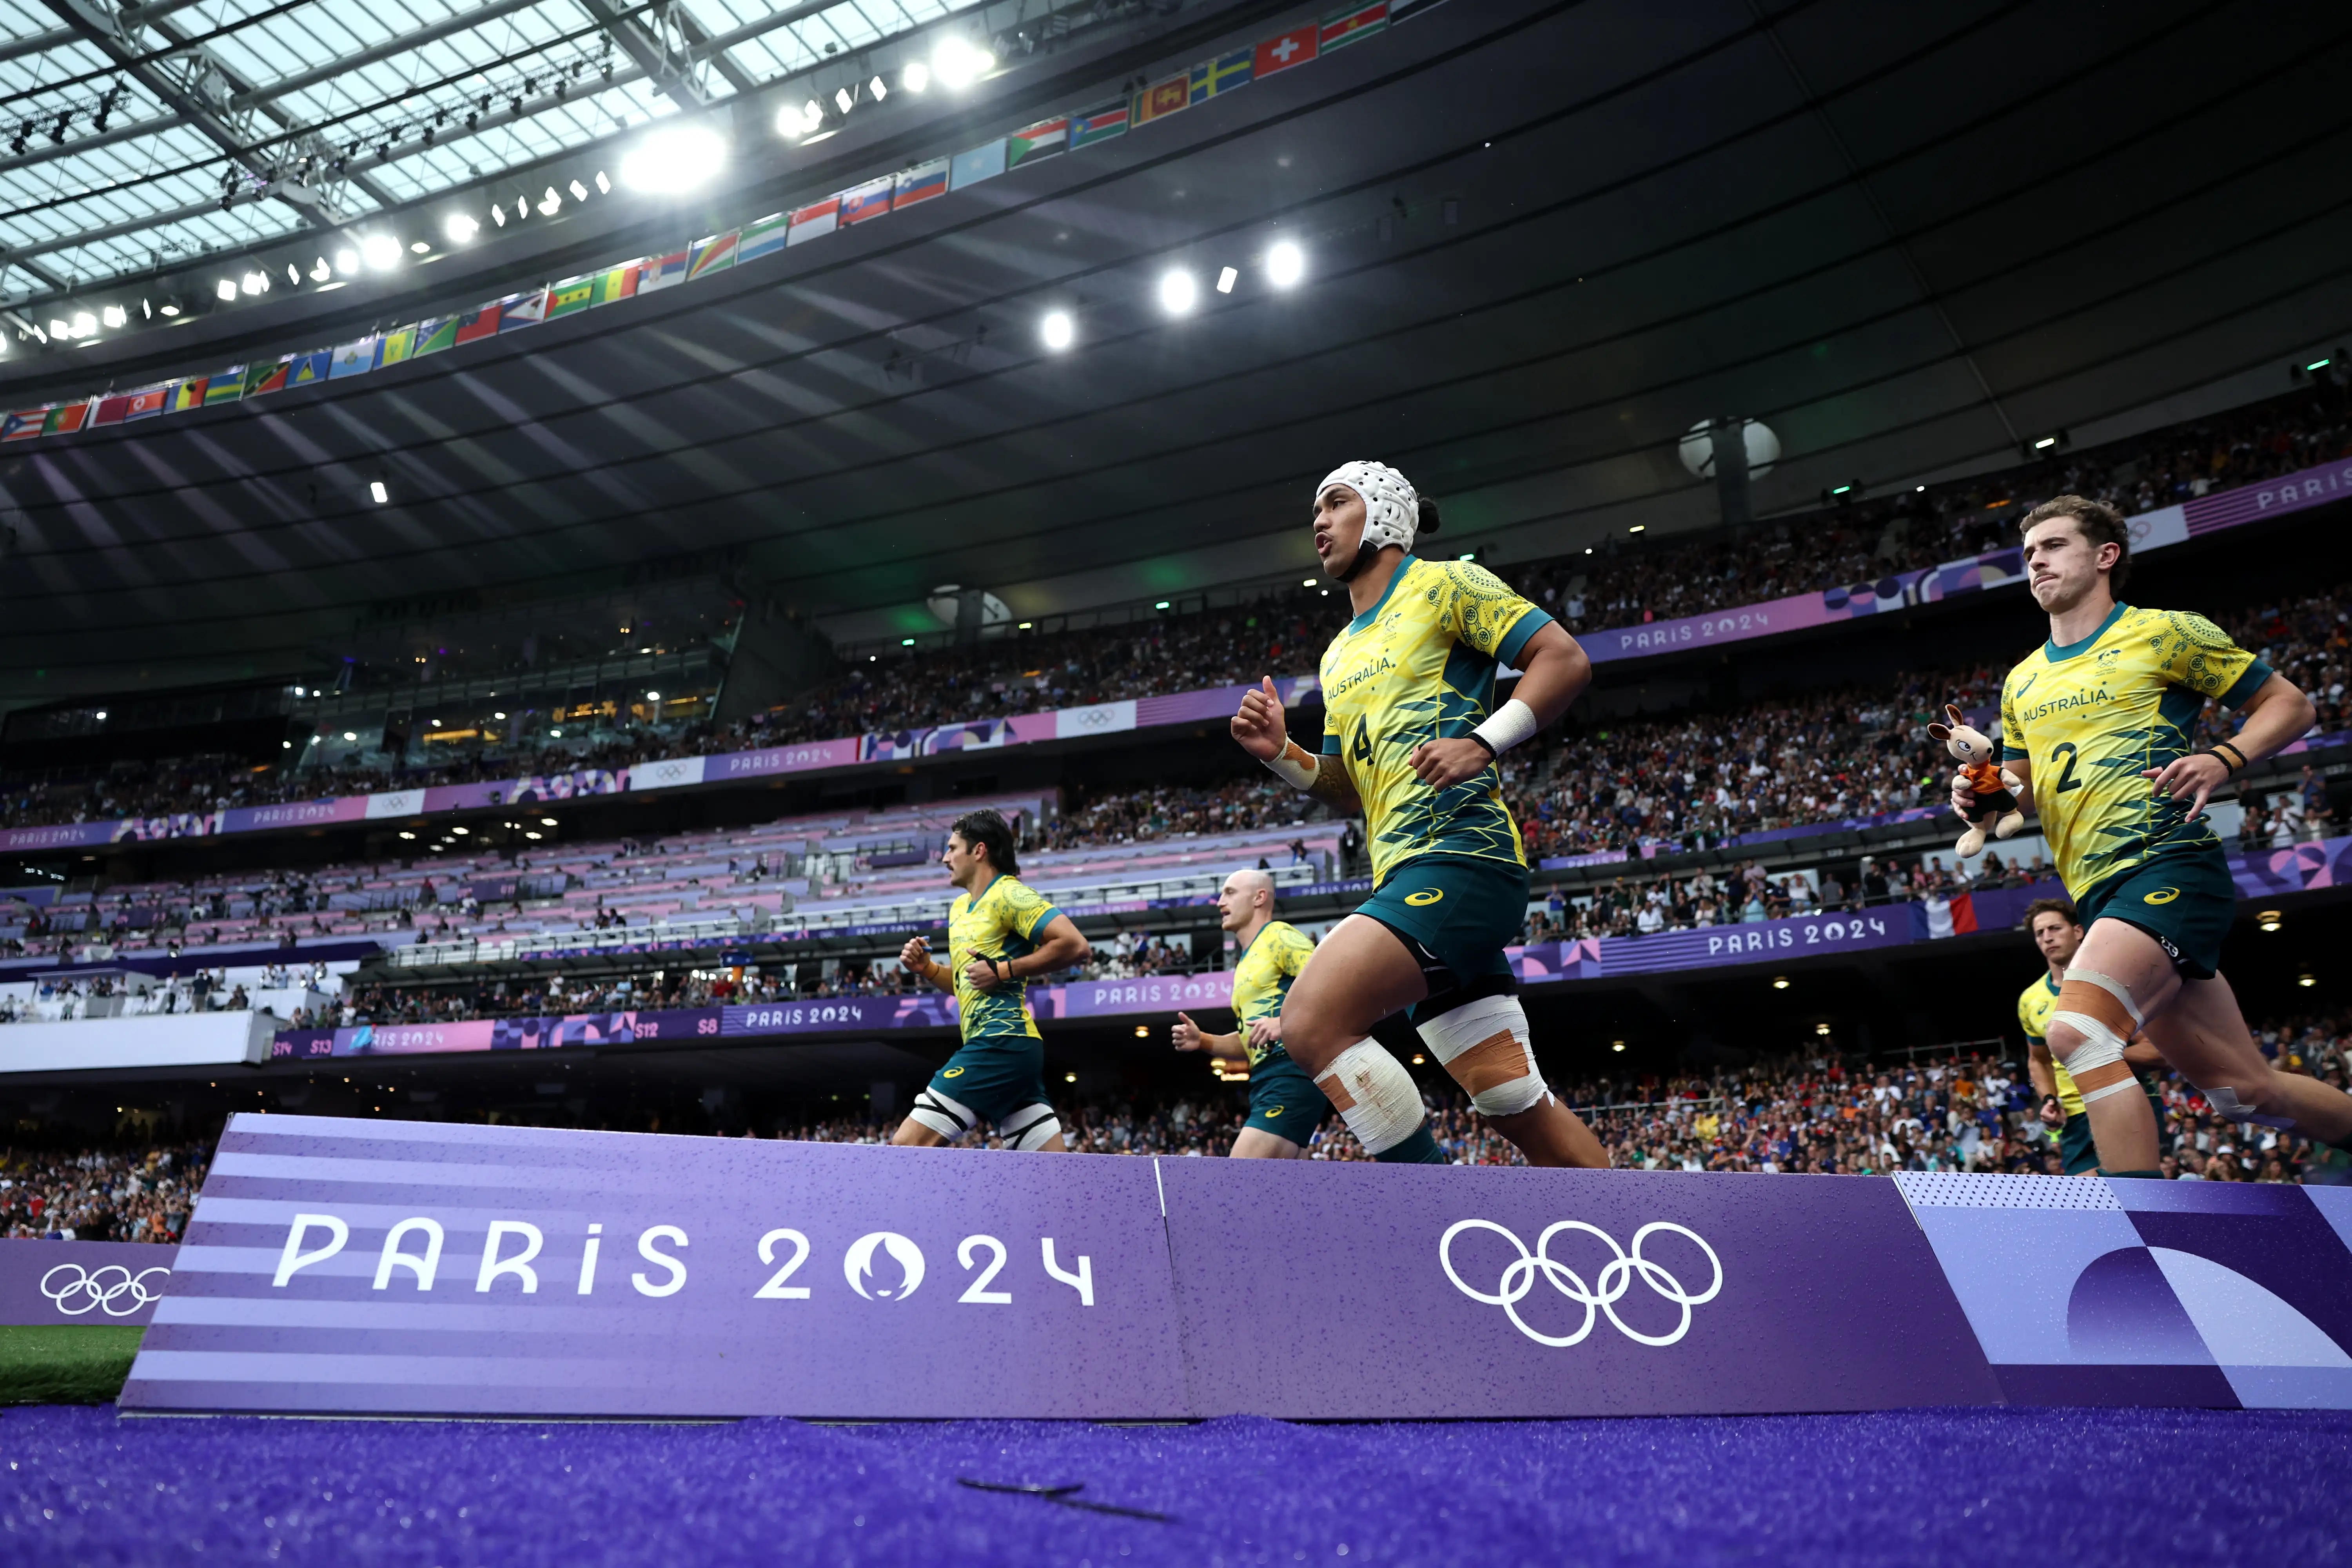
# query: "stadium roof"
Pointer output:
{"type": "Point", "coordinates": [1542, 240]}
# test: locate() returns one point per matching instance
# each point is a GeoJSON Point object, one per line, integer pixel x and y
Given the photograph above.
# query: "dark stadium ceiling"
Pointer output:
{"type": "Point", "coordinates": [1543, 239]}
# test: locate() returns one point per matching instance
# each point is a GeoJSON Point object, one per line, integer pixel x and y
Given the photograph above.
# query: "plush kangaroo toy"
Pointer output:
{"type": "Point", "coordinates": [1995, 786]}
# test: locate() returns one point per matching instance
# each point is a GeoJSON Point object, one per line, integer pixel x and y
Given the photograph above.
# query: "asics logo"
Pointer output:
{"type": "Point", "coordinates": [2161, 895]}
{"type": "Point", "coordinates": [1601, 1298]}
{"type": "Point", "coordinates": [74, 1290]}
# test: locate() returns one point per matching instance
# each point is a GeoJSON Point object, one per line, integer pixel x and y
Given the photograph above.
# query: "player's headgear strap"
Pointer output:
{"type": "Point", "coordinates": [1392, 506]}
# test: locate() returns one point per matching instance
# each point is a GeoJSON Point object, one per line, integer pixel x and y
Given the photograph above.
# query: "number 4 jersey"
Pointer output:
{"type": "Point", "coordinates": [2094, 716]}
{"type": "Point", "coordinates": [1419, 666]}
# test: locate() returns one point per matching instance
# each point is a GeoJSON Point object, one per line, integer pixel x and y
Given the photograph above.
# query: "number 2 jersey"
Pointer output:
{"type": "Point", "coordinates": [2094, 716]}
{"type": "Point", "coordinates": [1420, 665]}
{"type": "Point", "coordinates": [1002, 921]}
{"type": "Point", "coordinates": [1262, 979]}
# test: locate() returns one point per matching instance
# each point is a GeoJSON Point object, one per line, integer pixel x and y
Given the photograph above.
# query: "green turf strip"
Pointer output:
{"type": "Point", "coordinates": [66, 1364]}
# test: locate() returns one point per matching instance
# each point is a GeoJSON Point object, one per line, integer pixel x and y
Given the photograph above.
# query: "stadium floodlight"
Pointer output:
{"type": "Point", "coordinates": [957, 63]}
{"type": "Point", "coordinates": [375, 489]}
{"type": "Point", "coordinates": [253, 283]}
{"type": "Point", "coordinates": [347, 261]}
{"type": "Point", "coordinates": [1780, 982]}
{"type": "Point", "coordinates": [842, 99]}
{"type": "Point", "coordinates": [461, 227]}
{"type": "Point", "coordinates": [350, 735]}
{"type": "Point", "coordinates": [916, 77]}
{"type": "Point", "coordinates": [653, 696]}
{"type": "Point", "coordinates": [113, 316]}
{"type": "Point", "coordinates": [1638, 528]}
{"type": "Point", "coordinates": [579, 191]}
{"type": "Point", "coordinates": [1178, 291]}
{"type": "Point", "coordinates": [546, 822]}
{"type": "Point", "coordinates": [1616, 1045]}
{"type": "Point", "coordinates": [673, 159]}
{"type": "Point", "coordinates": [319, 273]}
{"type": "Point", "coordinates": [1285, 263]}
{"type": "Point", "coordinates": [877, 89]}
{"type": "Point", "coordinates": [84, 323]}
{"type": "Point", "coordinates": [801, 121]}
{"type": "Point", "coordinates": [100, 715]}
{"type": "Point", "coordinates": [549, 202]}
{"type": "Point", "coordinates": [906, 642]}
{"type": "Point", "coordinates": [225, 290]}
{"type": "Point", "coordinates": [1057, 330]}
{"type": "Point", "coordinates": [498, 715]}
{"type": "Point", "coordinates": [2044, 443]}
{"type": "Point", "coordinates": [415, 247]}
{"type": "Point", "coordinates": [380, 251]}
{"type": "Point", "coordinates": [405, 834]}
{"type": "Point", "coordinates": [557, 733]}
{"type": "Point", "coordinates": [1227, 278]}
{"type": "Point", "coordinates": [459, 831]}
{"type": "Point", "coordinates": [604, 185]}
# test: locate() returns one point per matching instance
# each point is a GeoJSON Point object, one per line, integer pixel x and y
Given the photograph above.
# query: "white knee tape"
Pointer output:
{"type": "Point", "coordinates": [948, 1118]}
{"type": "Point", "coordinates": [1484, 1044]}
{"type": "Point", "coordinates": [1031, 1128]}
{"type": "Point", "coordinates": [2232, 1109]}
{"type": "Point", "coordinates": [2111, 986]}
{"type": "Point", "coordinates": [2101, 1046]}
{"type": "Point", "coordinates": [1373, 1095]}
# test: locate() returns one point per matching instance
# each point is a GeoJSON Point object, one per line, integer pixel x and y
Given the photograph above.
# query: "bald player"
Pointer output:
{"type": "Point", "coordinates": [2057, 931]}
{"type": "Point", "coordinates": [1285, 1108]}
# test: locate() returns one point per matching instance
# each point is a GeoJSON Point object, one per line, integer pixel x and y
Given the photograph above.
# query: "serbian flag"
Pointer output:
{"type": "Point", "coordinates": [480, 322]}
{"type": "Point", "coordinates": [817, 219]}
{"type": "Point", "coordinates": [661, 271]}
{"type": "Point", "coordinates": [1352, 24]}
{"type": "Point", "coordinates": [1284, 50]}
{"type": "Point", "coordinates": [925, 181]}
{"type": "Point", "coordinates": [860, 202]}
{"type": "Point", "coordinates": [24, 424]}
{"type": "Point", "coordinates": [1162, 99]}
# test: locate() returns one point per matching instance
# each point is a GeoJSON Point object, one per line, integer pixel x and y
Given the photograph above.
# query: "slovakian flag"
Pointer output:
{"type": "Point", "coordinates": [482, 322]}
{"type": "Point", "coordinates": [1032, 143]}
{"type": "Point", "coordinates": [1222, 74]}
{"type": "Point", "coordinates": [618, 282]}
{"type": "Point", "coordinates": [525, 310]}
{"type": "Point", "coordinates": [1284, 50]}
{"type": "Point", "coordinates": [712, 253]}
{"type": "Point", "coordinates": [24, 424]}
{"type": "Point", "coordinates": [1101, 123]}
{"type": "Point", "coordinates": [309, 369]}
{"type": "Point", "coordinates": [770, 233]}
{"type": "Point", "coordinates": [353, 359]}
{"type": "Point", "coordinates": [1352, 24]}
{"type": "Point", "coordinates": [1162, 99]}
{"type": "Point", "coordinates": [922, 183]}
{"type": "Point", "coordinates": [189, 394]}
{"type": "Point", "coordinates": [435, 333]}
{"type": "Point", "coordinates": [398, 345]}
{"type": "Point", "coordinates": [570, 297]}
{"type": "Point", "coordinates": [66, 419]}
{"type": "Point", "coordinates": [814, 220]}
{"type": "Point", "coordinates": [860, 202]}
{"type": "Point", "coordinates": [662, 272]}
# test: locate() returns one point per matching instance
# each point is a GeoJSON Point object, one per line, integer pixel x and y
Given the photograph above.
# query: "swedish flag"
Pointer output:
{"type": "Point", "coordinates": [1222, 74]}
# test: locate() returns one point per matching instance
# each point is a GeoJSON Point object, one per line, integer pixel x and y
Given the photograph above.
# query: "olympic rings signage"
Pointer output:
{"type": "Point", "coordinates": [110, 1288]}
{"type": "Point", "coordinates": [1600, 1298]}
{"type": "Point", "coordinates": [44, 1281]}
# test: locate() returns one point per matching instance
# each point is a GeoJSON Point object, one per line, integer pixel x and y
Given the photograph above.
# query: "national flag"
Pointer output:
{"type": "Point", "coordinates": [112, 410]}
{"type": "Point", "coordinates": [1101, 123]}
{"type": "Point", "coordinates": [860, 202]}
{"type": "Point", "coordinates": [1406, 10]}
{"type": "Point", "coordinates": [435, 333]}
{"type": "Point", "coordinates": [975, 164]}
{"type": "Point", "coordinates": [261, 379]}
{"type": "Point", "coordinates": [66, 419]}
{"type": "Point", "coordinates": [1351, 24]}
{"type": "Point", "coordinates": [920, 184]}
{"type": "Point", "coordinates": [1033, 143]}
{"type": "Point", "coordinates": [1162, 99]}
{"type": "Point", "coordinates": [662, 271]}
{"type": "Point", "coordinates": [355, 358]}
{"type": "Point", "coordinates": [772, 233]}
{"type": "Point", "coordinates": [1222, 74]}
{"type": "Point", "coordinates": [618, 282]}
{"type": "Point", "coordinates": [189, 394]}
{"type": "Point", "coordinates": [398, 345]}
{"type": "Point", "coordinates": [482, 322]}
{"type": "Point", "coordinates": [309, 369]}
{"type": "Point", "coordinates": [570, 297]}
{"type": "Point", "coordinates": [24, 424]}
{"type": "Point", "coordinates": [224, 386]}
{"type": "Point", "coordinates": [817, 219]}
{"type": "Point", "coordinates": [525, 310]}
{"type": "Point", "coordinates": [714, 253]}
{"type": "Point", "coordinates": [1284, 50]}
{"type": "Point", "coordinates": [148, 402]}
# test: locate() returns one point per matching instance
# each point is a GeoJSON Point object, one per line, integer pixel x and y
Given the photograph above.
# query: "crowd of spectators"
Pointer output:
{"type": "Point", "coordinates": [143, 1194]}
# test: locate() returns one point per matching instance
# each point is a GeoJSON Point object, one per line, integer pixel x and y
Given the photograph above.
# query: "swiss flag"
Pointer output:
{"type": "Point", "coordinates": [1284, 51]}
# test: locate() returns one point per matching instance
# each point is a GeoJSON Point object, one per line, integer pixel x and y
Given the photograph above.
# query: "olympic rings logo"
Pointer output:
{"type": "Point", "coordinates": [85, 1290]}
{"type": "Point", "coordinates": [1615, 1278]}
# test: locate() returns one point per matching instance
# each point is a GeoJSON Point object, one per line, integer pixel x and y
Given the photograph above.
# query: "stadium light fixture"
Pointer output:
{"type": "Point", "coordinates": [1820, 1028]}
{"type": "Point", "coordinates": [350, 735]}
{"type": "Point", "coordinates": [253, 283]}
{"type": "Point", "coordinates": [549, 202]}
{"type": "Point", "coordinates": [498, 715]}
{"type": "Point", "coordinates": [1057, 330]}
{"type": "Point", "coordinates": [100, 715]}
{"type": "Point", "coordinates": [498, 216]}
{"type": "Point", "coordinates": [1780, 982]}
{"type": "Point", "coordinates": [579, 191]}
{"type": "Point", "coordinates": [319, 273]}
{"type": "Point", "coordinates": [879, 90]}
{"type": "Point", "coordinates": [557, 733]}
{"type": "Point", "coordinates": [906, 642]}
{"type": "Point", "coordinates": [1178, 291]}
{"type": "Point", "coordinates": [1285, 263]}
{"type": "Point", "coordinates": [1306, 582]}
{"type": "Point", "coordinates": [461, 227]}
{"type": "Point", "coordinates": [842, 99]}
{"type": "Point", "coordinates": [604, 185]}
{"type": "Point", "coordinates": [169, 310]}
{"type": "Point", "coordinates": [1616, 1045]}
{"type": "Point", "coordinates": [1027, 625]}
{"type": "Point", "coordinates": [653, 696]}
{"type": "Point", "coordinates": [2270, 920]}
{"type": "Point", "coordinates": [460, 832]}
{"type": "Point", "coordinates": [2045, 443]}
{"type": "Point", "coordinates": [805, 121]}
{"type": "Point", "coordinates": [957, 63]}
{"type": "Point", "coordinates": [380, 251]}
{"type": "Point", "coordinates": [347, 260]}
{"type": "Point", "coordinates": [375, 489]}
{"type": "Point", "coordinates": [2306, 978]}
{"type": "Point", "coordinates": [1226, 280]}
{"type": "Point", "coordinates": [673, 159]}
{"type": "Point", "coordinates": [1161, 604]}
{"type": "Point", "coordinates": [546, 822]}
{"type": "Point", "coordinates": [113, 315]}
{"type": "Point", "coordinates": [1638, 528]}
{"type": "Point", "coordinates": [916, 77]}
{"type": "Point", "coordinates": [405, 834]}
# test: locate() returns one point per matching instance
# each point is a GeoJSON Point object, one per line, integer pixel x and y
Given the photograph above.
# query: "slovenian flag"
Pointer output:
{"type": "Point", "coordinates": [815, 221]}
{"type": "Point", "coordinates": [1222, 74]}
{"type": "Point", "coordinates": [1351, 24]}
{"type": "Point", "coordinates": [1284, 50]}
{"type": "Point", "coordinates": [1033, 143]}
{"type": "Point", "coordinates": [770, 233]}
{"type": "Point", "coordinates": [662, 271]}
{"type": "Point", "coordinates": [920, 184]}
{"type": "Point", "coordinates": [1101, 123]}
{"type": "Point", "coordinates": [1162, 99]}
{"type": "Point", "coordinates": [715, 253]}
{"type": "Point", "coordinates": [519, 311]}
{"type": "Point", "coordinates": [871, 199]}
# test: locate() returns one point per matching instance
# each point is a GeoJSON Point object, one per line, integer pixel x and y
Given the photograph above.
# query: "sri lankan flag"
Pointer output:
{"type": "Point", "coordinates": [1352, 24]}
{"type": "Point", "coordinates": [570, 297]}
{"type": "Point", "coordinates": [1162, 99]}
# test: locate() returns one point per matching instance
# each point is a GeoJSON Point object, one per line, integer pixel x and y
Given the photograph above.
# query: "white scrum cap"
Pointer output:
{"type": "Point", "coordinates": [1392, 506]}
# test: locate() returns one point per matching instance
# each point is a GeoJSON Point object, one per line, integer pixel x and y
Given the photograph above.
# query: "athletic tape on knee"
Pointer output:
{"type": "Point", "coordinates": [2115, 988]}
{"type": "Point", "coordinates": [1484, 1044]}
{"type": "Point", "coordinates": [1031, 1128]}
{"type": "Point", "coordinates": [943, 1115]}
{"type": "Point", "coordinates": [2100, 1010]}
{"type": "Point", "coordinates": [1373, 1095]}
{"type": "Point", "coordinates": [2225, 1102]}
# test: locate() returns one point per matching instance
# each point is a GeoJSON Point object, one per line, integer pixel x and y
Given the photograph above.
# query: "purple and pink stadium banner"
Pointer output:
{"type": "Point", "coordinates": [371, 1266]}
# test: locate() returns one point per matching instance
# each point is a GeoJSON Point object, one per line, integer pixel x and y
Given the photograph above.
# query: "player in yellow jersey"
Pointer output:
{"type": "Point", "coordinates": [2098, 723]}
{"type": "Point", "coordinates": [1285, 1108]}
{"type": "Point", "coordinates": [1000, 933]}
{"type": "Point", "coordinates": [1411, 734]}
{"type": "Point", "coordinates": [2057, 931]}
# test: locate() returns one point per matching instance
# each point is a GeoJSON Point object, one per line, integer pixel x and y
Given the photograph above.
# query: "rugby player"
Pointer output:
{"type": "Point", "coordinates": [1285, 1108]}
{"type": "Point", "coordinates": [1001, 933]}
{"type": "Point", "coordinates": [2097, 723]}
{"type": "Point", "coordinates": [1411, 735]}
{"type": "Point", "coordinates": [2057, 931]}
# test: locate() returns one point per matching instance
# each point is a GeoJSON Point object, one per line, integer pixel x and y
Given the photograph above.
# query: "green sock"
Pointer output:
{"type": "Point", "coordinates": [1418, 1149]}
{"type": "Point", "coordinates": [2131, 1175]}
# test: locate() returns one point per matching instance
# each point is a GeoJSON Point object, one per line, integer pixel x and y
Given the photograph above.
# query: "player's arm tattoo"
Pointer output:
{"type": "Point", "coordinates": [1334, 788]}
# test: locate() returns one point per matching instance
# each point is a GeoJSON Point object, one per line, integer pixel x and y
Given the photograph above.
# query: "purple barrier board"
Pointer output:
{"type": "Point", "coordinates": [359, 1267]}
{"type": "Point", "coordinates": [383, 1266]}
{"type": "Point", "coordinates": [83, 1281]}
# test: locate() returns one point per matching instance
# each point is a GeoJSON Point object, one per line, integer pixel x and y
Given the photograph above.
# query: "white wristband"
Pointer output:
{"type": "Point", "coordinates": [1295, 766]}
{"type": "Point", "coordinates": [1512, 722]}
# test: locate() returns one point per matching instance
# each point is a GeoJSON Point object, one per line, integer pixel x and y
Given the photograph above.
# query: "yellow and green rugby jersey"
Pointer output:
{"type": "Point", "coordinates": [1420, 665]}
{"type": "Point", "coordinates": [1002, 923]}
{"type": "Point", "coordinates": [2035, 1005]}
{"type": "Point", "coordinates": [1262, 979]}
{"type": "Point", "coordinates": [2095, 715]}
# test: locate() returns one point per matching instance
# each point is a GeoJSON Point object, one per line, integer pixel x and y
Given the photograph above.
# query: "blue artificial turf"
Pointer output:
{"type": "Point", "coordinates": [1966, 1488]}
